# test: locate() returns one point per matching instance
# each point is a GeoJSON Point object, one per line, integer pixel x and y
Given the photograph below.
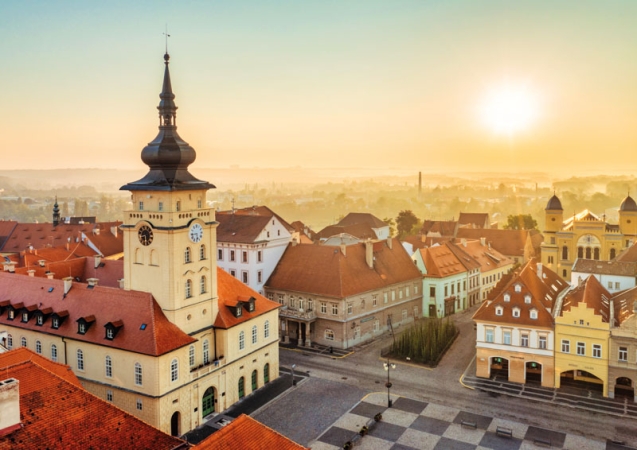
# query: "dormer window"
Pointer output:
{"type": "Point", "coordinates": [534, 314]}
{"type": "Point", "coordinates": [55, 323]}
{"type": "Point", "coordinates": [238, 311]}
{"type": "Point", "coordinates": [516, 312]}
{"type": "Point", "coordinates": [498, 311]}
{"type": "Point", "coordinates": [250, 304]}
{"type": "Point", "coordinates": [39, 320]}
{"type": "Point", "coordinates": [507, 297]}
{"type": "Point", "coordinates": [527, 299]}
{"type": "Point", "coordinates": [25, 316]}
{"type": "Point", "coordinates": [84, 323]}
{"type": "Point", "coordinates": [112, 328]}
{"type": "Point", "coordinates": [518, 288]}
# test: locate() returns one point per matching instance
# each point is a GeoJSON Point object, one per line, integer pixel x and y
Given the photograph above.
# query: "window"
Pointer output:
{"type": "Point", "coordinates": [415, 289]}
{"type": "Point", "coordinates": [566, 346]}
{"type": "Point", "coordinates": [329, 335]}
{"type": "Point", "coordinates": [506, 337]}
{"type": "Point", "coordinates": [446, 291]}
{"type": "Point", "coordinates": [254, 380]}
{"type": "Point", "coordinates": [9, 342]}
{"type": "Point", "coordinates": [310, 304]}
{"type": "Point", "coordinates": [39, 320]}
{"type": "Point", "coordinates": [199, 203]}
{"type": "Point", "coordinates": [80, 360]}
{"type": "Point", "coordinates": [527, 299]}
{"type": "Point", "coordinates": [220, 254]}
{"type": "Point", "coordinates": [385, 297]}
{"type": "Point", "coordinates": [498, 311]}
{"type": "Point", "coordinates": [407, 291]}
{"type": "Point", "coordinates": [38, 347]}
{"type": "Point", "coordinates": [565, 252]}
{"type": "Point", "coordinates": [259, 256]}
{"type": "Point", "coordinates": [489, 334]}
{"type": "Point", "coordinates": [260, 276]}
{"type": "Point", "coordinates": [374, 300]}
{"type": "Point", "coordinates": [244, 277]}
{"type": "Point", "coordinates": [206, 351]}
{"type": "Point", "coordinates": [178, 206]}
{"type": "Point", "coordinates": [542, 342]}
{"type": "Point", "coordinates": [141, 206]}
{"type": "Point", "coordinates": [138, 374]}
{"type": "Point", "coordinates": [161, 206]}
{"type": "Point", "coordinates": [202, 252]}
{"type": "Point", "coordinates": [242, 340]}
{"type": "Point", "coordinates": [232, 255]}
{"type": "Point", "coordinates": [54, 353]}
{"type": "Point", "coordinates": [550, 261]}
{"type": "Point", "coordinates": [23, 342]}
{"type": "Point", "coordinates": [244, 256]}
{"type": "Point", "coordinates": [533, 314]}
{"type": "Point", "coordinates": [334, 309]}
{"type": "Point", "coordinates": [191, 355]}
{"type": "Point", "coordinates": [324, 307]}
{"type": "Point", "coordinates": [202, 285]}
{"type": "Point", "coordinates": [623, 354]}
{"type": "Point", "coordinates": [432, 291]}
{"type": "Point", "coordinates": [581, 348]}
{"type": "Point", "coordinates": [400, 293]}
{"type": "Point", "coordinates": [292, 302]}
{"type": "Point", "coordinates": [109, 395]}
{"type": "Point", "coordinates": [404, 314]}
{"type": "Point", "coordinates": [81, 328]}
{"type": "Point", "coordinates": [524, 340]}
{"type": "Point", "coordinates": [174, 370]}
{"type": "Point", "coordinates": [11, 314]}
{"type": "Point", "coordinates": [393, 295]}
{"type": "Point", "coordinates": [376, 325]}
{"type": "Point", "coordinates": [281, 299]}
{"type": "Point", "coordinates": [187, 258]}
{"type": "Point", "coordinates": [362, 303]}
{"type": "Point", "coordinates": [453, 289]}
{"type": "Point", "coordinates": [266, 329]}
{"type": "Point", "coordinates": [108, 364]}
{"type": "Point", "coordinates": [233, 273]}
{"type": "Point", "coordinates": [616, 284]}
{"type": "Point", "coordinates": [254, 334]}
{"type": "Point", "coordinates": [350, 307]}
{"type": "Point", "coordinates": [597, 351]}
{"type": "Point", "coordinates": [109, 333]}
{"type": "Point", "coordinates": [516, 312]}
{"type": "Point", "coordinates": [140, 405]}
{"type": "Point", "coordinates": [242, 392]}
{"type": "Point", "coordinates": [188, 288]}
{"type": "Point", "coordinates": [25, 316]}
{"type": "Point", "coordinates": [266, 373]}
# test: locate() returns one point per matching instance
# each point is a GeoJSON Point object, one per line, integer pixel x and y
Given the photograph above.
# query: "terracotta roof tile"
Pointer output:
{"type": "Point", "coordinates": [240, 228]}
{"type": "Point", "coordinates": [619, 268]}
{"type": "Point", "coordinates": [245, 433]}
{"type": "Point", "coordinates": [107, 304]}
{"type": "Point", "coordinates": [488, 258]}
{"type": "Point", "coordinates": [593, 294]}
{"type": "Point", "coordinates": [366, 218]}
{"type": "Point", "coordinates": [324, 270]}
{"type": "Point", "coordinates": [57, 413]}
{"type": "Point", "coordinates": [628, 255]}
{"type": "Point", "coordinates": [507, 242]}
{"type": "Point", "coordinates": [478, 220]}
{"type": "Point", "coordinates": [261, 211]}
{"type": "Point", "coordinates": [625, 305]}
{"type": "Point", "coordinates": [440, 227]}
{"type": "Point", "coordinates": [359, 230]}
{"type": "Point", "coordinates": [441, 262]}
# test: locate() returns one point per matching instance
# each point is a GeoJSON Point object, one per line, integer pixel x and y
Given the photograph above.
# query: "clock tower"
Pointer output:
{"type": "Point", "coordinates": [170, 233]}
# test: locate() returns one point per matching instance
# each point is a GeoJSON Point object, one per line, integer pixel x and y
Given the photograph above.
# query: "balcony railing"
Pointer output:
{"type": "Point", "coordinates": [297, 313]}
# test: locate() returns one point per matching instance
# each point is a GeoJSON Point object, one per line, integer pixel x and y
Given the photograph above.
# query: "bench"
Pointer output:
{"type": "Point", "coordinates": [504, 432]}
{"type": "Point", "coordinates": [465, 424]}
{"type": "Point", "coordinates": [542, 442]}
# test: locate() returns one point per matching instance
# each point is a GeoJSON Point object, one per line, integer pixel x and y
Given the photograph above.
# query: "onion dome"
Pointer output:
{"type": "Point", "coordinates": [168, 155]}
{"type": "Point", "coordinates": [628, 204]}
{"type": "Point", "coordinates": [554, 204]}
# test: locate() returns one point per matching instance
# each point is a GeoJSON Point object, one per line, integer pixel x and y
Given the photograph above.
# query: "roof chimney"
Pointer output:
{"type": "Point", "coordinates": [483, 241]}
{"type": "Point", "coordinates": [369, 253]}
{"type": "Point", "coordinates": [50, 275]}
{"type": "Point", "coordinates": [96, 231]}
{"type": "Point", "coordinates": [389, 242]}
{"type": "Point", "coordinates": [92, 282]}
{"type": "Point", "coordinates": [98, 260]}
{"type": "Point", "coordinates": [68, 283]}
{"type": "Point", "coordinates": [343, 251]}
{"type": "Point", "coordinates": [539, 270]}
{"type": "Point", "coordinates": [122, 285]}
{"type": "Point", "coordinates": [9, 406]}
{"type": "Point", "coordinates": [31, 272]}
{"type": "Point", "coordinates": [114, 230]}
{"type": "Point", "coordinates": [41, 262]}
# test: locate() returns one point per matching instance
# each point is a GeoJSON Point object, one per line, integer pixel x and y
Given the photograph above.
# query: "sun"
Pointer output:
{"type": "Point", "coordinates": [509, 108]}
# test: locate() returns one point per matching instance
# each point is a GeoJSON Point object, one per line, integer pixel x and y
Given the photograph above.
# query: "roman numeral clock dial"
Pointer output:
{"type": "Point", "coordinates": [145, 235]}
{"type": "Point", "coordinates": [196, 233]}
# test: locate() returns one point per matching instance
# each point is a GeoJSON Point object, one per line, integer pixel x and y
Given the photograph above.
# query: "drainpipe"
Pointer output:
{"type": "Point", "coordinates": [214, 333]}
{"type": "Point", "coordinates": [65, 360]}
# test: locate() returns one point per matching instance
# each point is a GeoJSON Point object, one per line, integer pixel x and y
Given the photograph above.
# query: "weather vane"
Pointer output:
{"type": "Point", "coordinates": [167, 36]}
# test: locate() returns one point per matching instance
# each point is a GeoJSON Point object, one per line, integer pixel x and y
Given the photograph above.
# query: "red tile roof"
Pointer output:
{"type": "Point", "coordinates": [324, 270]}
{"type": "Point", "coordinates": [366, 218]}
{"type": "Point", "coordinates": [593, 294]}
{"type": "Point", "coordinates": [107, 304]}
{"type": "Point", "coordinates": [477, 220]}
{"type": "Point", "coordinates": [441, 227]}
{"type": "Point", "coordinates": [245, 433]}
{"type": "Point", "coordinates": [488, 258]}
{"type": "Point", "coordinates": [625, 305]}
{"type": "Point", "coordinates": [507, 242]}
{"type": "Point", "coordinates": [241, 228]}
{"type": "Point", "coordinates": [260, 211]}
{"type": "Point", "coordinates": [6, 228]}
{"type": "Point", "coordinates": [57, 413]}
{"type": "Point", "coordinates": [628, 255]}
{"type": "Point", "coordinates": [358, 230]}
{"type": "Point", "coordinates": [230, 291]}
{"type": "Point", "coordinates": [441, 262]}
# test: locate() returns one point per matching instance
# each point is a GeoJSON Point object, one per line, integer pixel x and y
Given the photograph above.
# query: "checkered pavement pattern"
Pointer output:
{"type": "Point", "coordinates": [412, 425]}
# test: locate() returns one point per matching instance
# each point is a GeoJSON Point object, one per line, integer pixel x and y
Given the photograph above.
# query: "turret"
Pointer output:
{"type": "Point", "coordinates": [628, 218]}
{"type": "Point", "coordinates": [554, 214]}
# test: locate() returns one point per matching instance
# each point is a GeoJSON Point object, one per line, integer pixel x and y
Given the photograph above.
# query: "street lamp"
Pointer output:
{"type": "Point", "coordinates": [293, 367]}
{"type": "Point", "coordinates": [388, 367]}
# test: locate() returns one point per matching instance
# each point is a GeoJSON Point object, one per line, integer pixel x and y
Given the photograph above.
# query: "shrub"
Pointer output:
{"type": "Point", "coordinates": [425, 342]}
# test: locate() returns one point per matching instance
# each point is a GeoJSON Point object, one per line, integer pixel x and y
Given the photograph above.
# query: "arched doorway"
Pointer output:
{"type": "Point", "coordinates": [581, 379]}
{"type": "Point", "coordinates": [254, 380]}
{"type": "Point", "coordinates": [242, 388]}
{"type": "Point", "coordinates": [208, 402]}
{"type": "Point", "coordinates": [499, 368]}
{"type": "Point", "coordinates": [175, 424]}
{"type": "Point", "coordinates": [533, 372]}
{"type": "Point", "coordinates": [624, 388]}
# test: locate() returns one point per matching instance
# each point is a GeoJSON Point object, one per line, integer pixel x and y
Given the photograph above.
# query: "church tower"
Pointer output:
{"type": "Point", "coordinates": [628, 220]}
{"type": "Point", "coordinates": [56, 213]}
{"type": "Point", "coordinates": [170, 233]}
{"type": "Point", "coordinates": [554, 215]}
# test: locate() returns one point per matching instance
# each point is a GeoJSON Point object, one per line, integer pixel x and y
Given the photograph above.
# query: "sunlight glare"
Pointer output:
{"type": "Point", "coordinates": [509, 109]}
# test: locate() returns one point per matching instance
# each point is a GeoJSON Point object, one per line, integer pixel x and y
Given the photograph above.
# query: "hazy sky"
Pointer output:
{"type": "Point", "coordinates": [321, 83]}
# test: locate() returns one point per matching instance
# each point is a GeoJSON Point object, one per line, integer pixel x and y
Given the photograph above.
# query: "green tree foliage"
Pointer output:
{"type": "Point", "coordinates": [425, 342]}
{"type": "Point", "coordinates": [405, 222]}
{"type": "Point", "coordinates": [520, 222]}
{"type": "Point", "coordinates": [392, 225]}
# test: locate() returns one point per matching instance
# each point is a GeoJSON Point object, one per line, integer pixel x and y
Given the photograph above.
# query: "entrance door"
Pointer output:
{"type": "Point", "coordinates": [534, 372]}
{"type": "Point", "coordinates": [500, 368]}
{"type": "Point", "coordinates": [208, 402]}
{"type": "Point", "coordinates": [432, 310]}
{"type": "Point", "coordinates": [624, 388]}
{"type": "Point", "coordinates": [242, 391]}
{"type": "Point", "coordinates": [174, 424]}
{"type": "Point", "coordinates": [254, 380]}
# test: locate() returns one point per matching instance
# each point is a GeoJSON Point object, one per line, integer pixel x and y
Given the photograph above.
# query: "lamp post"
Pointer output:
{"type": "Point", "coordinates": [388, 367]}
{"type": "Point", "coordinates": [293, 367]}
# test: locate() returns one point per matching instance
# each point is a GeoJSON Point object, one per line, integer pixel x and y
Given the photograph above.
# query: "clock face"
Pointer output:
{"type": "Point", "coordinates": [145, 235]}
{"type": "Point", "coordinates": [196, 233]}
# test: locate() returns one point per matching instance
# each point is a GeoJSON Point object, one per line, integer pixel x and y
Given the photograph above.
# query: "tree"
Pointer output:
{"type": "Point", "coordinates": [405, 222]}
{"type": "Point", "coordinates": [520, 222]}
{"type": "Point", "coordinates": [392, 225]}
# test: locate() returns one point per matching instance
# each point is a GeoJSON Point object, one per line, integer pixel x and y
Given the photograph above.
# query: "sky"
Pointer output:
{"type": "Point", "coordinates": [354, 84]}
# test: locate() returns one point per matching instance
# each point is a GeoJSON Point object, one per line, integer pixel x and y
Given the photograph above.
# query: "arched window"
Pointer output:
{"type": "Point", "coordinates": [612, 253]}
{"type": "Point", "coordinates": [565, 252]}
{"type": "Point", "coordinates": [109, 367]}
{"type": "Point", "coordinates": [191, 355]}
{"type": "Point", "coordinates": [588, 253]}
{"type": "Point", "coordinates": [266, 329]}
{"type": "Point", "coordinates": [9, 341]}
{"type": "Point", "coordinates": [174, 370]}
{"type": "Point", "coordinates": [138, 374]}
{"type": "Point", "coordinates": [266, 373]}
{"type": "Point", "coordinates": [206, 351]}
{"type": "Point", "coordinates": [187, 258]}
{"type": "Point", "coordinates": [329, 335]}
{"type": "Point", "coordinates": [242, 340]}
{"type": "Point", "coordinates": [202, 284]}
{"type": "Point", "coordinates": [38, 347]}
{"type": "Point", "coordinates": [254, 334]}
{"type": "Point", "coordinates": [188, 288]}
{"type": "Point", "coordinates": [580, 252]}
{"type": "Point", "coordinates": [242, 392]}
{"type": "Point", "coordinates": [596, 253]}
{"type": "Point", "coordinates": [153, 258]}
{"type": "Point", "coordinates": [80, 360]}
{"type": "Point", "coordinates": [54, 353]}
{"type": "Point", "coordinates": [202, 252]}
{"type": "Point", "coordinates": [254, 380]}
{"type": "Point", "coordinates": [23, 342]}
